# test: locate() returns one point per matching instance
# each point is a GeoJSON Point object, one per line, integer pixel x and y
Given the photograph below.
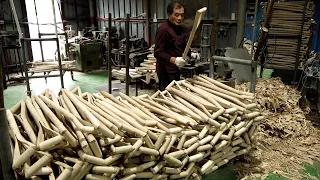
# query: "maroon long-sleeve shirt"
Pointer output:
{"type": "Point", "coordinates": [170, 42]}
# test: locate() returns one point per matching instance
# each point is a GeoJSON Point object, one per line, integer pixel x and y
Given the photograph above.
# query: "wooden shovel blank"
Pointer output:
{"type": "Point", "coordinates": [199, 15]}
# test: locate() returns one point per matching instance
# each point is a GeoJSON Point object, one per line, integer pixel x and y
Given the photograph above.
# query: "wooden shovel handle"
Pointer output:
{"type": "Point", "coordinates": [197, 20]}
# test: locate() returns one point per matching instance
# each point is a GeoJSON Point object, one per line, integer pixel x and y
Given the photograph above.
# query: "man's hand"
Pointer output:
{"type": "Point", "coordinates": [180, 62]}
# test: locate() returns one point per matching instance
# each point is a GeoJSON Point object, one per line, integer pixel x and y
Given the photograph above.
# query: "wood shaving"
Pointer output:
{"type": "Point", "coordinates": [287, 140]}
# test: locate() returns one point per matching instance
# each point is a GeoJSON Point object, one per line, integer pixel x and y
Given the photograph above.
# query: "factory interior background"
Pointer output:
{"type": "Point", "coordinates": [255, 78]}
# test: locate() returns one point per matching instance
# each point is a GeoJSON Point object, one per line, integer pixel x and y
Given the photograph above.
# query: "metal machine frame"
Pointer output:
{"type": "Point", "coordinates": [23, 40]}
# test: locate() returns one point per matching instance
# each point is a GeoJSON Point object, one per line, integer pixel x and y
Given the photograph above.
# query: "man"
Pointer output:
{"type": "Point", "coordinates": [170, 44]}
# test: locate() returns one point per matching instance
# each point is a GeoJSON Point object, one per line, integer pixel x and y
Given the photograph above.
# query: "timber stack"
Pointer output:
{"type": "Point", "coordinates": [284, 33]}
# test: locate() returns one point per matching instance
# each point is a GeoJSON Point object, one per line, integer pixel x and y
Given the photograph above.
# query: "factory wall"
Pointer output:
{"type": "Point", "coordinates": [119, 9]}
{"type": "Point", "coordinates": [158, 10]}
{"type": "Point", "coordinates": [76, 13]}
{"type": "Point", "coordinates": [8, 24]}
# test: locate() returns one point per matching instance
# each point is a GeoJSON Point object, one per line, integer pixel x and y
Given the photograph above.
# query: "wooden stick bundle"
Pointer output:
{"type": "Point", "coordinates": [191, 129]}
{"type": "Point", "coordinates": [285, 25]}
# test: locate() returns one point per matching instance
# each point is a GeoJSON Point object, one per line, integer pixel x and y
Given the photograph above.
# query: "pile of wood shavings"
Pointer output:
{"type": "Point", "coordinates": [274, 96]}
{"type": "Point", "coordinates": [279, 104]}
{"type": "Point", "coordinates": [287, 140]}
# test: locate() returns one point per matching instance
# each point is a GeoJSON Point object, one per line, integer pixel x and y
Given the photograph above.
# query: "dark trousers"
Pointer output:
{"type": "Point", "coordinates": [166, 78]}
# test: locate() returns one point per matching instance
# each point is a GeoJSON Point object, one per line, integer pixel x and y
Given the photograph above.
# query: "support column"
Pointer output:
{"type": "Point", "coordinates": [91, 9]}
{"type": "Point", "coordinates": [214, 36]}
{"type": "Point", "coordinates": [5, 150]}
{"type": "Point", "coordinates": [241, 21]}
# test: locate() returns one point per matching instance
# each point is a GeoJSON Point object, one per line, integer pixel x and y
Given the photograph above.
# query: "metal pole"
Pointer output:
{"type": "Point", "coordinates": [16, 19]}
{"type": "Point", "coordinates": [317, 41]}
{"type": "Point", "coordinates": [39, 34]}
{"type": "Point", "coordinates": [127, 54]}
{"type": "Point", "coordinates": [76, 11]}
{"type": "Point", "coordinates": [148, 29]}
{"type": "Point", "coordinates": [299, 44]}
{"type": "Point", "coordinates": [60, 66]}
{"type": "Point", "coordinates": [91, 10]}
{"type": "Point", "coordinates": [54, 22]}
{"type": "Point", "coordinates": [109, 54]}
{"type": "Point", "coordinates": [5, 150]}
{"type": "Point", "coordinates": [26, 29]}
{"type": "Point", "coordinates": [1, 87]}
{"type": "Point", "coordinates": [254, 26]}
{"type": "Point", "coordinates": [63, 14]}
{"type": "Point", "coordinates": [214, 36]}
{"type": "Point", "coordinates": [233, 60]}
{"type": "Point", "coordinates": [137, 81]}
{"type": "Point", "coordinates": [241, 22]}
{"type": "Point", "coordinates": [67, 44]}
{"type": "Point", "coordinates": [263, 33]}
{"type": "Point", "coordinates": [54, 18]}
{"type": "Point", "coordinates": [25, 67]}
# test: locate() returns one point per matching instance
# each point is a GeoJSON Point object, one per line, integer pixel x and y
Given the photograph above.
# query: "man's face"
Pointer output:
{"type": "Point", "coordinates": [177, 16]}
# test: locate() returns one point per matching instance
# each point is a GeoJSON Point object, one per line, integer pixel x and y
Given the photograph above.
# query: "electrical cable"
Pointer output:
{"type": "Point", "coordinates": [275, 47]}
{"type": "Point", "coordinates": [310, 69]}
{"type": "Point", "coordinates": [42, 24]}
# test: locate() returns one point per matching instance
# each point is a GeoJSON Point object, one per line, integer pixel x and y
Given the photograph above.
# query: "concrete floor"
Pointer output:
{"type": "Point", "coordinates": [97, 80]}
{"type": "Point", "coordinates": [91, 82]}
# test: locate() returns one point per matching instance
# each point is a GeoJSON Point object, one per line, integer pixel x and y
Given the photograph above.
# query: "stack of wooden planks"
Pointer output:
{"type": "Point", "coordinates": [148, 67]}
{"type": "Point", "coordinates": [145, 72]}
{"type": "Point", "coordinates": [283, 38]}
{"type": "Point", "coordinates": [149, 64]}
{"type": "Point", "coordinates": [38, 67]}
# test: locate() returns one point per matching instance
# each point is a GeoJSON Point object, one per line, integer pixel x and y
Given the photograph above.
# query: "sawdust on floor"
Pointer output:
{"type": "Point", "coordinates": [287, 140]}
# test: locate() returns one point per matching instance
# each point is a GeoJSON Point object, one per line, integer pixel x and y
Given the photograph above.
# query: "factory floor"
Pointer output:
{"type": "Point", "coordinates": [96, 80]}
{"type": "Point", "coordinates": [92, 82]}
